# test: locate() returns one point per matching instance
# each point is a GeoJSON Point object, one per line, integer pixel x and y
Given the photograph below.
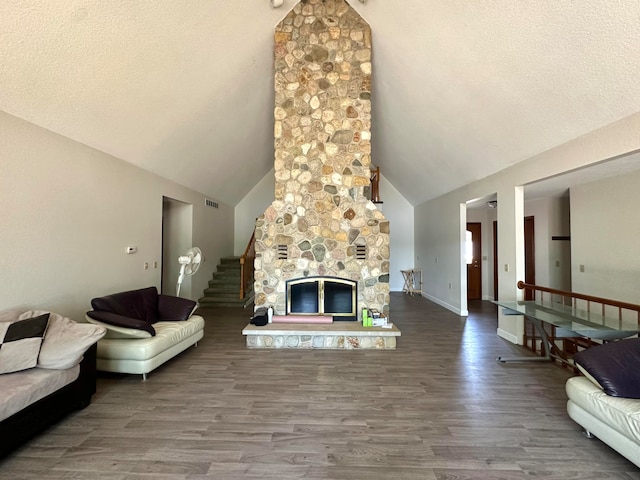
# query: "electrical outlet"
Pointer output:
{"type": "Point", "coordinates": [557, 263]}
{"type": "Point", "coordinates": [155, 264]}
{"type": "Point", "coordinates": [581, 268]}
{"type": "Point", "coordinates": [146, 265]}
{"type": "Point", "coordinates": [506, 267]}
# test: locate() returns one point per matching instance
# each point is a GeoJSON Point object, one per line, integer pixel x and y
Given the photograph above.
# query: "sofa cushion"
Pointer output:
{"type": "Point", "coordinates": [21, 389]}
{"type": "Point", "coordinates": [20, 343]}
{"type": "Point", "coordinates": [66, 341]}
{"type": "Point", "coordinates": [168, 334]}
{"type": "Point", "coordinates": [114, 319]}
{"type": "Point", "coordinates": [139, 304]}
{"type": "Point", "coordinates": [615, 366]}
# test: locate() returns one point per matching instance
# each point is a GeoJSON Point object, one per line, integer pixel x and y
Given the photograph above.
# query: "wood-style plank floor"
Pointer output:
{"type": "Point", "coordinates": [438, 407]}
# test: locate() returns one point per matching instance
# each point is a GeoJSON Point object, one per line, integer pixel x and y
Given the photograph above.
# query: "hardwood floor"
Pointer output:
{"type": "Point", "coordinates": [438, 407]}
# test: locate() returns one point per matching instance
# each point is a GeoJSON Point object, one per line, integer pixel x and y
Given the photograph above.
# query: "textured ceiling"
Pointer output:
{"type": "Point", "coordinates": [184, 89]}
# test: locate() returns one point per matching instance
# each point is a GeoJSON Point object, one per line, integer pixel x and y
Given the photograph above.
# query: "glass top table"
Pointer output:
{"type": "Point", "coordinates": [569, 322]}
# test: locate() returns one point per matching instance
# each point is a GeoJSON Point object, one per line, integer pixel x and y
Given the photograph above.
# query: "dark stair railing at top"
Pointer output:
{"type": "Point", "coordinates": [246, 265]}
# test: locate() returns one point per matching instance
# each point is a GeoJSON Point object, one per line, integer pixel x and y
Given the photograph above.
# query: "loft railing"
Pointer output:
{"type": "Point", "coordinates": [246, 265]}
{"type": "Point", "coordinates": [580, 303]}
{"type": "Point", "coordinates": [587, 299]}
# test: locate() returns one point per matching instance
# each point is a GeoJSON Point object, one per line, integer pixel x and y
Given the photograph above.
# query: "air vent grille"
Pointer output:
{"type": "Point", "coordinates": [210, 203]}
{"type": "Point", "coordinates": [283, 252]}
{"type": "Point", "coordinates": [361, 252]}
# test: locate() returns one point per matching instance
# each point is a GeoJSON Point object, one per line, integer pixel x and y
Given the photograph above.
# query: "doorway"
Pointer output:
{"type": "Point", "coordinates": [474, 263]}
{"type": "Point", "coordinates": [529, 257]}
{"type": "Point", "coordinates": [177, 227]}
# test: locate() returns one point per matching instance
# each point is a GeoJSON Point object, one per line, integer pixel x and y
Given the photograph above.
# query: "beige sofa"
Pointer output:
{"type": "Point", "coordinates": [144, 329]}
{"type": "Point", "coordinates": [48, 370]}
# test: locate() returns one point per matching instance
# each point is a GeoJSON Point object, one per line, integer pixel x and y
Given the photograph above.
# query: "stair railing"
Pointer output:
{"type": "Point", "coordinates": [375, 185]}
{"type": "Point", "coordinates": [246, 264]}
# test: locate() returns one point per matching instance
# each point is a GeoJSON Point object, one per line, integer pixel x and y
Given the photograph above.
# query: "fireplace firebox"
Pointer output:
{"type": "Point", "coordinates": [330, 296]}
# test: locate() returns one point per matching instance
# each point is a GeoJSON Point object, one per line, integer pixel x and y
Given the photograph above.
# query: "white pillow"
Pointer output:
{"type": "Point", "coordinates": [10, 315]}
{"type": "Point", "coordinates": [65, 341]}
{"type": "Point", "coordinates": [20, 343]}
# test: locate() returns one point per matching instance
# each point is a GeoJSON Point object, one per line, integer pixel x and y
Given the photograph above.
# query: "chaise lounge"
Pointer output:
{"type": "Point", "coordinates": [144, 329]}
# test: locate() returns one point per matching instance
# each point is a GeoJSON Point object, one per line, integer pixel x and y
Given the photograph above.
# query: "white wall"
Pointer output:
{"type": "Point", "coordinates": [539, 209]}
{"type": "Point", "coordinates": [251, 207]}
{"type": "Point", "coordinates": [437, 222]}
{"type": "Point", "coordinates": [553, 257]}
{"type": "Point", "coordinates": [605, 233]}
{"type": "Point", "coordinates": [68, 212]}
{"type": "Point", "coordinates": [396, 209]}
{"type": "Point", "coordinates": [399, 212]}
{"type": "Point", "coordinates": [560, 250]}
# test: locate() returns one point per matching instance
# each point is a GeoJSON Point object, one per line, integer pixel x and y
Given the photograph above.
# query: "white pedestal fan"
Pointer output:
{"type": "Point", "coordinates": [189, 264]}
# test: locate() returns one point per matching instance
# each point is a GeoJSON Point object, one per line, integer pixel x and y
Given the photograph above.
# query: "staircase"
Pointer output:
{"type": "Point", "coordinates": [224, 287]}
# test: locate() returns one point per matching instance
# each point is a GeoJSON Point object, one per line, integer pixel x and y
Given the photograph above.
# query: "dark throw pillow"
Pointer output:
{"type": "Point", "coordinates": [615, 366]}
{"type": "Point", "coordinates": [20, 343]}
{"type": "Point", "coordinates": [139, 304]}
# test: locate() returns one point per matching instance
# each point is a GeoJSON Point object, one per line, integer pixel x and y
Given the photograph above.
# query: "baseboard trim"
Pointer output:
{"type": "Point", "coordinates": [458, 311]}
{"type": "Point", "coordinates": [507, 336]}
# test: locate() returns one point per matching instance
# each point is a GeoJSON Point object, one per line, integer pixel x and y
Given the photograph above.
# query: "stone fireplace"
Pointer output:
{"type": "Point", "coordinates": [321, 223]}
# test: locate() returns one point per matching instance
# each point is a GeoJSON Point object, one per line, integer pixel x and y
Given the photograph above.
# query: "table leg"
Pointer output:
{"type": "Point", "coordinates": [547, 345]}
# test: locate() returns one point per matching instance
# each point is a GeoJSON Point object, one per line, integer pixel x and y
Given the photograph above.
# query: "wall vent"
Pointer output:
{"type": "Point", "coordinates": [361, 252]}
{"type": "Point", "coordinates": [283, 252]}
{"type": "Point", "coordinates": [210, 203]}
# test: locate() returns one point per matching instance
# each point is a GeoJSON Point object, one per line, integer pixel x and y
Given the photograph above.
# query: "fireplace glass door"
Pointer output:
{"type": "Point", "coordinates": [322, 296]}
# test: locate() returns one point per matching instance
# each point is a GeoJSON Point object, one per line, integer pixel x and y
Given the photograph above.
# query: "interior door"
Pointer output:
{"type": "Point", "coordinates": [495, 260]}
{"type": "Point", "coordinates": [529, 256]}
{"type": "Point", "coordinates": [474, 269]}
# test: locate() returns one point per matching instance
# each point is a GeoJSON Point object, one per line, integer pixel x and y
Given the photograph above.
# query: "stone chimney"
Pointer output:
{"type": "Point", "coordinates": [321, 222]}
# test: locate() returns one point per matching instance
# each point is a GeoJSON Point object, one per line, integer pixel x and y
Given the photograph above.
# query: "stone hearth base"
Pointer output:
{"type": "Point", "coordinates": [337, 335]}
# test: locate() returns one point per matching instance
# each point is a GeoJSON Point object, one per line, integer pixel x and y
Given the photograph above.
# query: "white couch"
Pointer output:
{"type": "Point", "coordinates": [606, 400]}
{"type": "Point", "coordinates": [144, 330]}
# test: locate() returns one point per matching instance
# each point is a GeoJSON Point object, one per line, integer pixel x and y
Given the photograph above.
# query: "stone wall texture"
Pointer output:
{"type": "Point", "coordinates": [321, 213]}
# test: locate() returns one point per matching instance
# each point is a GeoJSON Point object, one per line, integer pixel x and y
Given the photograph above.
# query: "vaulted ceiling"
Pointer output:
{"type": "Point", "coordinates": [185, 89]}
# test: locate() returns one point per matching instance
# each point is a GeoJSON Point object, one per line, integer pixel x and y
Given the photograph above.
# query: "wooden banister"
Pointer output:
{"type": "Point", "coordinates": [580, 296]}
{"type": "Point", "coordinates": [375, 185]}
{"type": "Point", "coordinates": [246, 264]}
